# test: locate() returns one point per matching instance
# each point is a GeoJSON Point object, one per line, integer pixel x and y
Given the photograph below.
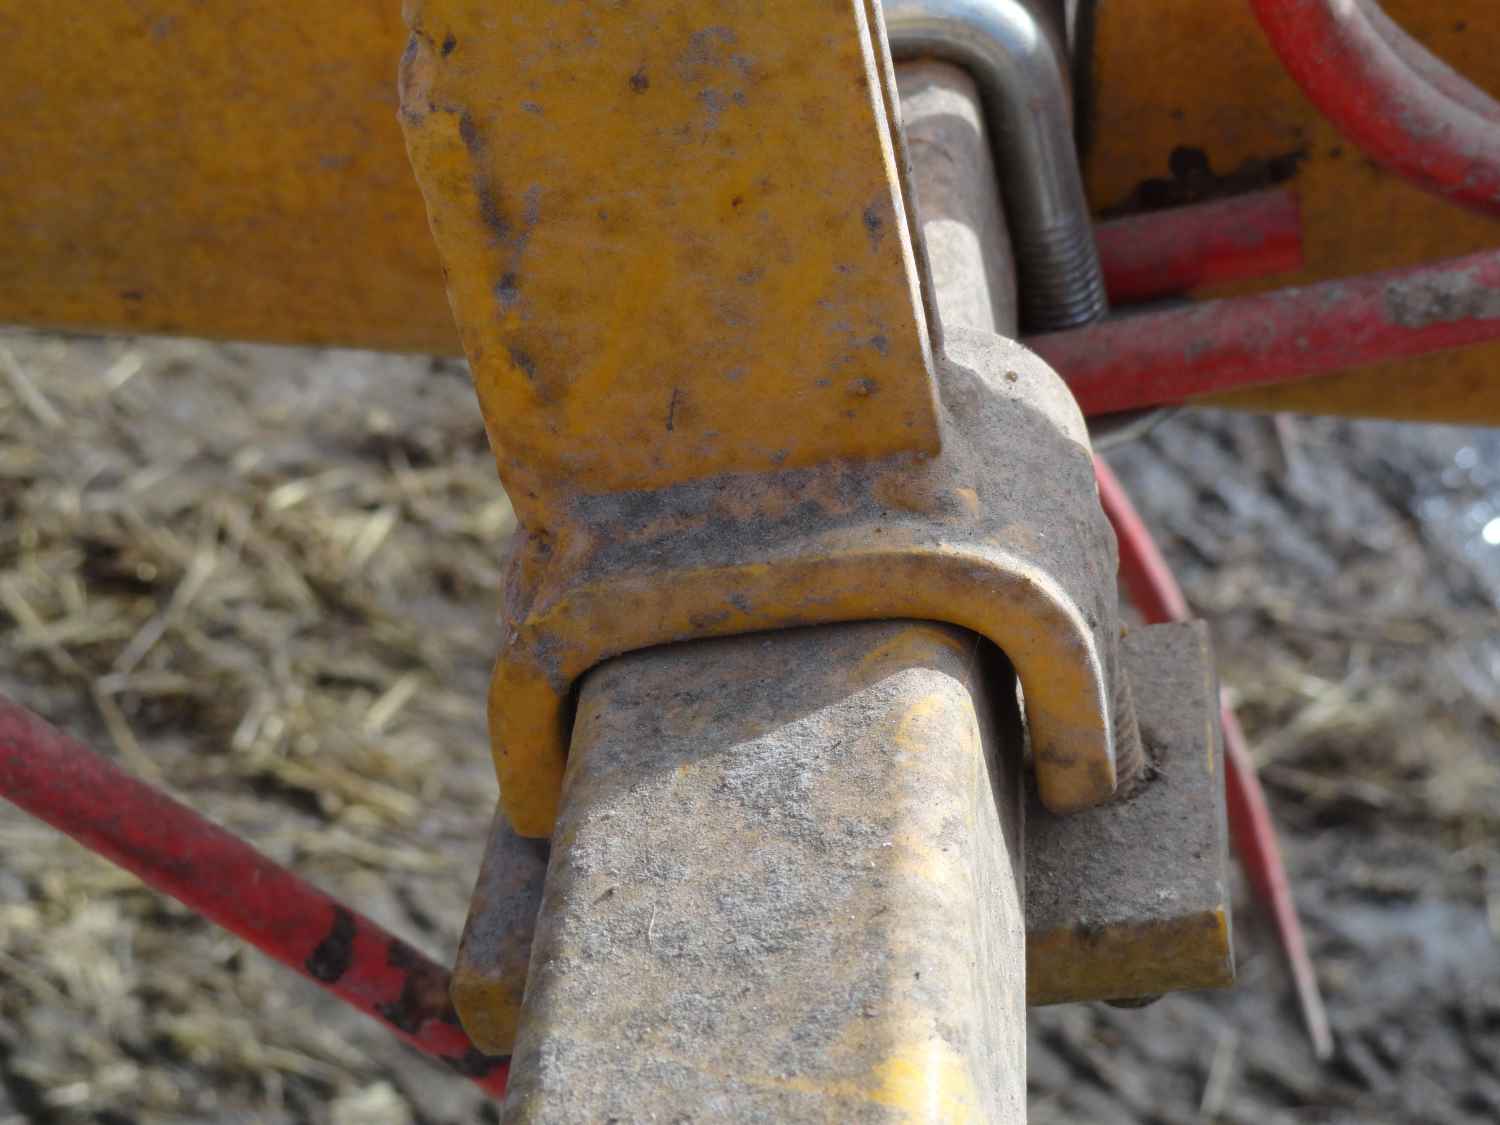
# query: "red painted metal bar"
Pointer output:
{"type": "Point", "coordinates": [176, 851]}
{"type": "Point", "coordinates": [1362, 73]}
{"type": "Point", "coordinates": [1168, 253]}
{"type": "Point", "coordinates": [1155, 592]}
{"type": "Point", "coordinates": [1156, 358]}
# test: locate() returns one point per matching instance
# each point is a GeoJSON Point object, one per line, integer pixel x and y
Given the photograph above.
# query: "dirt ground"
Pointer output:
{"type": "Point", "coordinates": [255, 575]}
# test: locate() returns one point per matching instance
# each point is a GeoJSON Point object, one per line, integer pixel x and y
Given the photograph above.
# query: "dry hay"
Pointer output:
{"type": "Point", "coordinates": [261, 578]}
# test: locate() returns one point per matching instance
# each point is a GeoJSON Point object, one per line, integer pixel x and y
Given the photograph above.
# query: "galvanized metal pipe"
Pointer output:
{"type": "Point", "coordinates": [1021, 72]}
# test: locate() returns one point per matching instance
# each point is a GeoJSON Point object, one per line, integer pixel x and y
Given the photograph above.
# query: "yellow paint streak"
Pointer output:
{"type": "Point", "coordinates": [908, 646]}
{"type": "Point", "coordinates": [1122, 960]}
{"type": "Point", "coordinates": [913, 732]}
{"type": "Point", "coordinates": [928, 1081]}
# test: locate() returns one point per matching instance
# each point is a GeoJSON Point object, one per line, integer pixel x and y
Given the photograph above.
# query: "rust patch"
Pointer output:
{"type": "Point", "coordinates": [522, 359]}
{"type": "Point", "coordinates": [424, 992]}
{"type": "Point", "coordinates": [1192, 179]}
{"type": "Point", "coordinates": [335, 953]}
{"type": "Point", "coordinates": [474, 1063]}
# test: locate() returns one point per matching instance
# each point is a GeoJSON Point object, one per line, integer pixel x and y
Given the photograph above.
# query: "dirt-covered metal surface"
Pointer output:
{"type": "Point", "coordinates": [1131, 899]}
{"type": "Point", "coordinates": [319, 682]}
{"type": "Point", "coordinates": [784, 898]}
{"type": "Point", "coordinates": [1000, 533]}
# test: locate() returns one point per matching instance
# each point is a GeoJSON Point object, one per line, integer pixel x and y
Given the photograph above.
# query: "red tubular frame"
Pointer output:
{"type": "Point", "coordinates": [1168, 253]}
{"type": "Point", "coordinates": [1156, 358]}
{"type": "Point", "coordinates": [1385, 92]}
{"type": "Point", "coordinates": [1155, 592]}
{"type": "Point", "coordinates": [176, 851]}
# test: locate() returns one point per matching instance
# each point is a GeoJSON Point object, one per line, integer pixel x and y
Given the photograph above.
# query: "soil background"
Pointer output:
{"type": "Point", "coordinates": [265, 578]}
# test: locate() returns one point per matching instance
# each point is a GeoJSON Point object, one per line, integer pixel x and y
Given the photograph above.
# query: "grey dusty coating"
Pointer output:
{"type": "Point", "coordinates": [784, 887]}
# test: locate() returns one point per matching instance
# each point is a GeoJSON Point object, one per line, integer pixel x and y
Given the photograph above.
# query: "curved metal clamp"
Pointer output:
{"type": "Point", "coordinates": [1000, 532]}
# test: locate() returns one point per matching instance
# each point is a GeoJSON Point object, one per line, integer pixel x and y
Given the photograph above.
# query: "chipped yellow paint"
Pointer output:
{"type": "Point", "coordinates": [926, 1080]}
{"type": "Point", "coordinates": [675, 246]}
{"type": "Point", "coordinates": [898, 652]}
{"type": "Point", "coordinates": [1223, 93]}
{"type": "Point", "coordinates": [913, 731]}
{"type": "Point", "coordinates": [1124, 961]}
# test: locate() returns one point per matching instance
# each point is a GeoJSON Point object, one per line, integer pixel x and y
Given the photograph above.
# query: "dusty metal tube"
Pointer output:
{"type": "Point", "coordinates": [958, 205]}
{"type": "Point", "coordinates": [1207, 347]}
{"type": "Point", "coordinates": [1022, 76]}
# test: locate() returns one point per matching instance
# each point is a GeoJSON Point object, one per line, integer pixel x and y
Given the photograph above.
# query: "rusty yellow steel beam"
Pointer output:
{"type": "Point", "coordinates": [229, 169]}
{"type": "Point", "coordinates": [220, 168]}
{"type": "Point", "coordinates": [1188, 101]}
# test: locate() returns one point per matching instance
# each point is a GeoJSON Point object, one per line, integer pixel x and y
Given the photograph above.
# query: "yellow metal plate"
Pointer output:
{"type": "Point", "coordinates": [213, 167]}
{"type": "Point", "coordinates": [1198, 78]}
{"type": "Point", "coordinates": [674, 237]}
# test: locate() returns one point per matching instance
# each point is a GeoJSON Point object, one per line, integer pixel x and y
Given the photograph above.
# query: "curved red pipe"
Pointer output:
{"type": "Point", "coordinates": [1155, 592]}
{"type": "Point", "coordinates": [1388, 95]}
{"type": "Point", "coordinates": [218, 875]}
{"type": "Point", "coordinates": [1447, 80]}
